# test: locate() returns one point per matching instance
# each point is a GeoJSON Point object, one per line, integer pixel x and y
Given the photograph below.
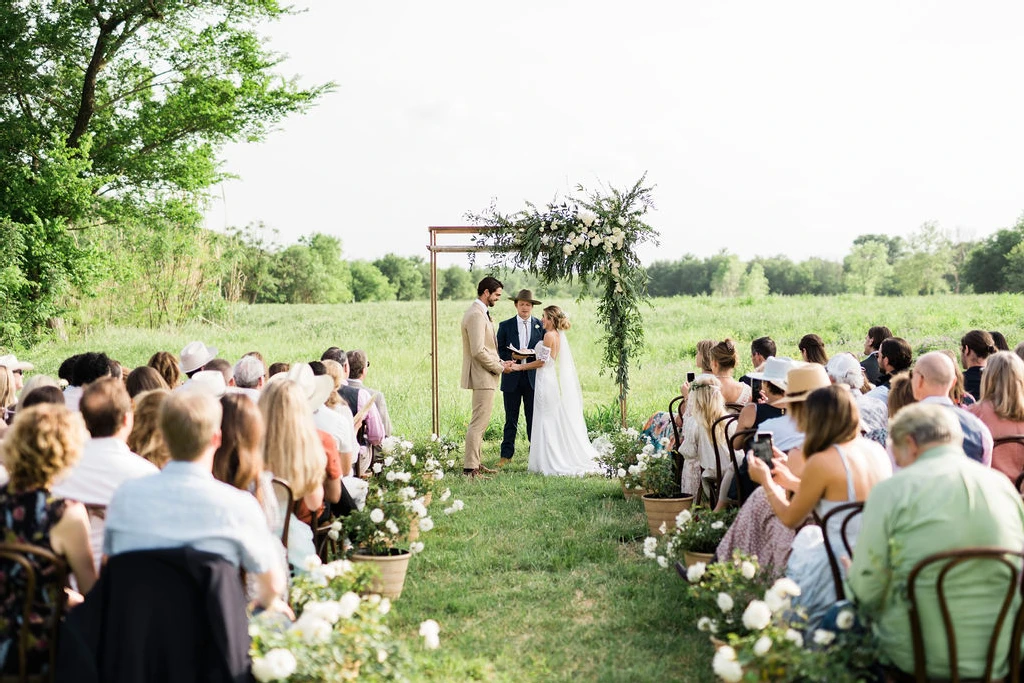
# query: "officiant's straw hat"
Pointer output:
{"type": "Point", "coordinates": [803, 380]}
{"type": "Point", "coordinates": [525, 295]}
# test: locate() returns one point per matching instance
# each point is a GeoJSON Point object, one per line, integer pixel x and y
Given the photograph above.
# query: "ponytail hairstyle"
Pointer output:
{"type": "Point", "coordinates": [980, 342]}
{"type": "Point", "coordinates": [558, 317]}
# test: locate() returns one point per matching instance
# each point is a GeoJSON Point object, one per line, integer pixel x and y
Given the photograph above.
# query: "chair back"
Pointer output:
{"type": "Point", "coordinates": [845, 513]}
{"type": "Point", "coordinates": [741, 435]}
{"type": "Point", "coordinates": [33, 561]}
{"type": "Point", "coordinates": [735, 407]}
{"type": "Point", "coordinates": [675, 410]}
{"type": "Point", "coordinates": [1006, 441]}
{"type": "Point", "coordinates": [285, 501]}
{"type": "Point", "coordinates": [946, 562]}
{"type": "Point", "coordinates": [720, 450]}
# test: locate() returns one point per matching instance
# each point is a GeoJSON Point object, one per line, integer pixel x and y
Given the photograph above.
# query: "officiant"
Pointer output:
{"type": "Point", "coordinates": [522, 331]}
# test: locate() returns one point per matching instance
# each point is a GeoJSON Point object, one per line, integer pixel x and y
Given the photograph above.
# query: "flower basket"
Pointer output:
{"type": "Point", "coordinates": [663, 510]}
{"type": "Point", "coordinates": [691, 558]}
{"type": "Point", "coordinates": [392, 567]}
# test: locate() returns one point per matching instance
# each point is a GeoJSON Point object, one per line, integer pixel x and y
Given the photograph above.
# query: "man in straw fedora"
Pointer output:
{"type": "Point", "coordinates": [522, 331]}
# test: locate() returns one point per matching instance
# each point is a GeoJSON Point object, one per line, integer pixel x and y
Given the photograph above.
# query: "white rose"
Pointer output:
{"type": "Point", "coordinates": [704, 624]}
{"type": "Point", "coordinates": [586, 216]}
{"type": "Point", "coordinates": [683, 518]}
{"type": "Point", "coordinates": [388, 461]}
{"type": "Point", "coordinates": [844, 620]}
{"type": "Point", "coordinates": [757, 615]}
{"type": "Point", "coordinates": [786, 587]}
{"type": "Point", "coordinates": [376, 515]}
{"type": "Point", "coordinates": [761, 647]}
{"type": "Point", "coordinates": [426, 524]}
{"type": "Point", "coordinates": [382, 656]}
{"type": "Point", "coordinates": [348, 604]}
{"type": "Point", "coordinates": [725, 602]}
{"type": "Point", "coordinates": [415, 547]}
{"type": "Point", "coordinates": [385, 606]}
{"type": "Point", "coordinates": [662, 562]}
{"type": "Point", "coordinates": [406, 445]}
{"type": "Point", "coordinates": [622, 221]}
{"type": "Point", "coordinates": [748, 569]}
{"type": "Point", "coordinates": [571, 237]}
{"type": "Point", "coordinates": [312, 629]}
{"type": "Point", "coordinates": [430, 631]}
{"type": "Point", "coordinates": [823, 637]}
{"type": "Point", "coordinates": [725, 665]}
{"type": "Point", "coordinates": [446, 495]}
{"type": "Point", "coordinates": [433, 437]}
{"type": "Point", "coordinates": [595, 241]}
{"type": "Point", "coordinates": [795, 636]}
{"type": "Point", "coordinates": [695, 571]}
{"type": "Point", "coordinates": [650, 546]}
{"type": "Point", "coordinates": [377, 467]}
{"type": "Point", "coordinates": [621, 473]}
{"type": "Point", "coordinates": [311, 563]}
{"type": "Point", "coordinates": [544, 239]}
{"type": "Point", "coordinates": [718, 525]}
{"type": "Point", "coordinates": [391, 526]}
{"type": "Point", "coordinates": [274, 666]}
{"type": "Point", "coordinates": [775, 601]}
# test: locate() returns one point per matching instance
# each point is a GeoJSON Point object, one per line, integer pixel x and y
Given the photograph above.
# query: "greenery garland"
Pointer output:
{"type": "Point", "coordinates": [592, 237]}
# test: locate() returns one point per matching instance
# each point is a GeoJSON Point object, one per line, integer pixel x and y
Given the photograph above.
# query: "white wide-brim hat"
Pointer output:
{"type": "Point", "coordinates": [12, 363]}
{"type": "Point", "coordinates": [196, 355]}
{"type": "Point", "coordinates": [775, 371]}
{"type": "Point", "coordinates": [207, 382]}
{"type": "Point", "coordinates": [316, 388]}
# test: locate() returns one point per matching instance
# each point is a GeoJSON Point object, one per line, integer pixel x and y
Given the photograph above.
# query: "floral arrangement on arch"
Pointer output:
{"type": "Point", "coordinates": [590, 237]}
{"type": "Point", "coordinates": [338, 635]}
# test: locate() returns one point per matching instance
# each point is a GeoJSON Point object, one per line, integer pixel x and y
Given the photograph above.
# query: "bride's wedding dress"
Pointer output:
{"type": "Point", "coordinates": [559, 443]}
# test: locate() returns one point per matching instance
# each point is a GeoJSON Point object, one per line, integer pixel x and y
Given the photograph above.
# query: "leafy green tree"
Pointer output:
{"type": "Point", "coordinates": [985, 268]}
{"type": "Point", "coordinates": [825, 277]}
{"type": "Point", "coordinates": [754, 282]}
{"type": "Point", "coordinates": [867, 267]}
{"type": "Point", "coordinates": [404, 275]}
{"type": "Point", "coordinates": [455, 283]}
{"type": "Point", "coordinates": [369, 284]}
{"type": "Point", "coordinates": [728, 276]}
{"type": "Point", "coordinates": [1013, 271]}
{"type": "Point", "coordinates": [926, 263]}
{"type": "Point", "coordinates": [115, 110]}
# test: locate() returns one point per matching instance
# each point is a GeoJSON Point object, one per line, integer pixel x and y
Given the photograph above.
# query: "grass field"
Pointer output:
{"type": "Point", "coordinates": [542, 579]}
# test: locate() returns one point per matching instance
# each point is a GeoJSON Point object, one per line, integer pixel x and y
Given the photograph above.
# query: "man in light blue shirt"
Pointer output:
{"type": "Point", "coordinates": [184, 505]}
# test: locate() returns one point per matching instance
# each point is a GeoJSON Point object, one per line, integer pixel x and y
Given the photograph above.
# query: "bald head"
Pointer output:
{"type": "Point", "coordinates": [934, 375]}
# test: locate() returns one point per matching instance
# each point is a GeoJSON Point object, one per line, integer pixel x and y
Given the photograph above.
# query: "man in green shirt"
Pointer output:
{"type": "Point", "coordinates": [941, 500]}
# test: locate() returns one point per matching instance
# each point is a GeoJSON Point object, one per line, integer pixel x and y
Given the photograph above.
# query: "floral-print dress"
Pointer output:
{"type": "Point", "coordinates": [27, 518]}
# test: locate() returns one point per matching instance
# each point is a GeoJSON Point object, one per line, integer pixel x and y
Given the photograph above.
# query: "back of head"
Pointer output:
{"type": "Point", "coordinates": [278, 368]}
{"type": "Point", "coordinates": [105, 404]}
{"type": "Point", "coordinates": [724, 353]}
{"type": "Point", "coordinates": [558, 317]}
{"type": "Point", "coordinates": [66, 371]}
{"type": "Point", "coordinates": [189, 420]}
{"type": "Point", "coordinates": [335, 354]}
{"type": "Point", "coordinates": [146, 439]}
{"type": "Point", "coordinates": [1019, 350]}
{"type": "Point", "coordinates": [248, 372]}
{"type": "Point", "coordinates": [292, 446]}
{"type": "Point", "coordinates": [703, 354]}
{"type": "Point", "coordinates": [901, 393]}
{"type": "Point", "coordinates": [90, 367]}
{"type": "Point", "coordinates": [830, 417]}
{"type": "Point", "coordinates": [40, 395]}
{"type": "Point", "coordinates": [708, 401]}
{"type": "Point", "coordinates": [488, 284]}
{"type": "Point", "coordinates": [926, 423]}
{"type": "Point", "coordinates": [999, 340]}
{"type": "Point", "coordinates": [763, 346]}
{"type": "Point", "coordinates": [317, 367]}
{"type": "Point", "coordinates": [980, 342]}
{"type": "Point", "coordinates": [878, 334]}
{"type": "Point", "coordinates": [239, 458]}
{"type": "Point", "coordinates": [43, 441]}
{"type": "Point", "coordinates": [897, 352]}
{"type": "Point", "coordinates": [222, 366]}
{"type": "Point", "coordinates": [1002, 384]}
{"type": "Point", "coordinates": [844, 368]}
{"type": "Point", "coordinates": [166, 363]}
{"type": "Point", "coordinates": [814, 347]}
{"type": "Point", "coordinates": [356, 363]}
{"type": "Point", "coordinates": [142, 379]}
{"type": "Point", "coordinates": [36, 381]}
{"type": "Point", "coordinates": [936, 371]}
{"type": "Point", "coordinates": [337, 374]}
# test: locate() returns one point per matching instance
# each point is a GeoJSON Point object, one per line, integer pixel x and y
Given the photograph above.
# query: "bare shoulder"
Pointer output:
{"type": "Point", "coordinates": [550, 339]}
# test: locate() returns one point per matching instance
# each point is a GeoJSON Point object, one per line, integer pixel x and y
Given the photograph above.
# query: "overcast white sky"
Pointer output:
{"type": "Point", "coordinates": [767, 127]}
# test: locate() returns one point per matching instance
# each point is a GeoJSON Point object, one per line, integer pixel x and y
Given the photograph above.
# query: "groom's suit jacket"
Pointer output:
{"type": "Point", "coordinates": [481, 364]}
{"type": "Point", "coordinates": [508, 333]}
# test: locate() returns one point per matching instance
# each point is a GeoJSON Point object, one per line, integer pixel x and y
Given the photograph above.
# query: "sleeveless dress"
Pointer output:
{"type": "Point", "coordinates": [559, 443]}
{"type": "Point", "coordinates": [27, 518]}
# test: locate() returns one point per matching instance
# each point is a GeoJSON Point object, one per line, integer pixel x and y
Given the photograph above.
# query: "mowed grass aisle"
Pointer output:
{"type": "Point", "coordinates": [543, 579]}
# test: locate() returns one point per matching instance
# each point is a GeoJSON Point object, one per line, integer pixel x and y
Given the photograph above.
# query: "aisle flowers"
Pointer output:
{"type": "Point", "coordinates": [618, 453]}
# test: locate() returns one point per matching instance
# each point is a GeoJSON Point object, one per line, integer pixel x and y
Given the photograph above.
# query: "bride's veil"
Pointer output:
{"type": "Point", "coordinates": [572, 394]}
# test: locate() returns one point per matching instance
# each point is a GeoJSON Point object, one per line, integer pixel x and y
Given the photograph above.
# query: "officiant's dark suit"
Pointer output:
{"type": "Point", "coordinates": [517, 387]}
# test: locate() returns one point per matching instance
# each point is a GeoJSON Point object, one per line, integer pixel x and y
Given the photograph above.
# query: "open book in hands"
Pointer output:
{"type": "Point", "coordinates": [521, 354]}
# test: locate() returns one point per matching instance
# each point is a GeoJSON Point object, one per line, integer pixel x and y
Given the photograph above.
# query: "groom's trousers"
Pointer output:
{"type": "Point", "coordinates": [483, 403]}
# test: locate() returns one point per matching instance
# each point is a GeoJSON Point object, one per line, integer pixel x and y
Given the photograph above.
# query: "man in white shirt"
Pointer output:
{"type": "Point", "coordinates": [106, 461]}
{"type": "Point", "coordinates": [184, 506]}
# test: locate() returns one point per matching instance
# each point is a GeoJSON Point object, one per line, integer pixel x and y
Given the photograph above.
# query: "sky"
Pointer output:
{"type": "Point", "coordinates": [765, 127]}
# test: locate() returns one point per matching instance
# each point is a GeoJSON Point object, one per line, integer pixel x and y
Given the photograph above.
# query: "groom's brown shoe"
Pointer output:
{"type": "Point", "coordinates": [488, 470]}
{"type": "Point", "coordinates": [473, 474]}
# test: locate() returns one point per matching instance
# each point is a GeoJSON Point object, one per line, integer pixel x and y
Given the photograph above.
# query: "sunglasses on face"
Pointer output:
{"type": "Point", "coordinates": [17, 372]}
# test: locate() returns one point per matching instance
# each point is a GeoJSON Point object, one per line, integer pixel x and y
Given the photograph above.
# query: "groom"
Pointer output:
{"type": "Point", "coordinates": [522, 331]}
{"type": "Point", "coordinates": [481, 366]}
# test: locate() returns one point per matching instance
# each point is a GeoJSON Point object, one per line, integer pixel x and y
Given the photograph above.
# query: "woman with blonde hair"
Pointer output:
{"type": "Point", "coordinates": [8, 396]}
{"type": "Point", "coordinates": [707, 404]}
{"type": "Point", "coordinates": [146, 439]}
{"type": "Point", "coordinates": [1002, 409]}
{"type": "Point", "coordinates": [337, 373]}
{"type": "Point", "coordinates": [44, 441]}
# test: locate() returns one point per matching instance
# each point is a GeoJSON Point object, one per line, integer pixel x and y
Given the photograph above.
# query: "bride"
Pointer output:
{"type": "Point", "coordinates": [559, 443]}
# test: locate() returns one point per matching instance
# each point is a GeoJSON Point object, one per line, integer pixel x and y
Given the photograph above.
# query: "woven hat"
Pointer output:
{"type": "Point", "coordinates": [316, 388]}
{"type": "Point", "coordinates": [12, 363]}
{"type": "Point", "coordinates": [525, 295]}
{"type": "Point", "coordinates": [196, 355]}
{"type": "Point", "coordinates": [803, 380]}
{"type": "Point", "coordinates": [775, 370]}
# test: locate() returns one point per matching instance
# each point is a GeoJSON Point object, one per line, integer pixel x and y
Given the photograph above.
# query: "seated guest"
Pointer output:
{"type": "Point", "coordinates": [723, 363]}
{"type": "Point", "coordinates": [939, 501]}
{"type": "Point", "coordinates": [65, 373]}
{"type": "Point", "coordinates": [1001, 409]}
{"type": "Point", "coordinates": [146, 439]}
{"type": "Point", "coordinates": [894, 355]}
{"type": "Point", "coordinates": [872, 343]}
{"type": "Point", "coordinates": [1019, 350]}
{"type": "Point", "coordinates": [106, 461]}
{"type": "Point", "coordinates": [223, 367]}
{"type": "Point", "coordinates": [36, 381]}
{"type": "Point", "coordinates": [699, 464]}
{"type": "Point", "coordinates": [932, 378]}
{"type": "Point", "coordinates": [144, 379]}
{"type": "Point", "coordinates": [901, 393]}
{"type": "Point", "coordinates": [18, 369]}
{"type": "Point", "coordinates": [838, 466]}
{"type": "Point", "coordinates": [358, 365]}
{"type": "Point", "coordinates": [998, 340]}
{"type": "Point", "coordinates": [194, 358]}
{"type": "Point", "coordinates": [88, 368]}
{"type": "Point", "coordinates": [958, 394]}
{"type": "Point", "coordinates": [975, 348]}
{"type": "Point", "coordinates": [761, 349]}
{"type": "Point", "coordinates": [277, 368]}
{"type": "Point", "coordinates": [184, 506]}
{"type": "Point", "coordinates": [43, 442]}
{"type": "Point", "coordinates": [812, 349]}
{"type": "Point", "coordinates": [248, 377]}
{"type": "Point", "coordinates": [8, 397]}
{"type": "Point", "coordinates": [166, 364]}
{"type": "Point", "coordinates": [844, 369]}
{"type": "Point", "coordinates": [39, 395]}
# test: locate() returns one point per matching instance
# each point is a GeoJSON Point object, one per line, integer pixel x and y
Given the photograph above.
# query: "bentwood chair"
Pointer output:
{"type": "Point", "coordinates": [742, 436]}
{"type": "Point", "coordinates": [735, 407]}
{"type": "Point", "coordinates": [845, 513]}
{"type": "Point", "coordinates": [285, 501]}
{"type": "Point", "coordinates": [1007, 441]}
{"type": "Point", "coordinates": [675, 409]}
{"type": "Point", "coordinates": [944, 563]}
{"type": "Point", "coordinates": [720, 450]}
{"type": "Point", "coordinates": [32, 562]}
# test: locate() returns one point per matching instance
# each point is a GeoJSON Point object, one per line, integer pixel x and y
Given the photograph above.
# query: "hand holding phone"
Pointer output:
{"type": "Point", "coordinates": [690, 376]}
{"type": "Point", "coordinates": [762, 448]}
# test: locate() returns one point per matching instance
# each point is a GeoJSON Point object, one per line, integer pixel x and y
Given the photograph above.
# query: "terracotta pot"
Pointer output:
{"type": "Point", "coordinates": [691, 558]}
{"type": "Point", "coordinates": [630, 494]}
{"type": "Point", "coordinates": [392, 570]}
{"type": "Point", "coordinates": [664, 510]}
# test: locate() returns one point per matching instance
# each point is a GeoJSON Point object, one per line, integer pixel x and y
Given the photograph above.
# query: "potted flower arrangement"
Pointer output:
{"type": "Point", "coordinates": [715, 589]}
{"type": "Point", "coordinates": [664, 500]}
{"type": "Point", "coordinates": [697, 534]}
{"type": "Point", "coordinates": [378, 530]}
{"type": "Point", "coordinates": [617, 453]}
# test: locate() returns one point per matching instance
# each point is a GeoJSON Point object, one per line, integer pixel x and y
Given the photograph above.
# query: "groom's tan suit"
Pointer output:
{"type": "Point", "coordinates": [481, 369]}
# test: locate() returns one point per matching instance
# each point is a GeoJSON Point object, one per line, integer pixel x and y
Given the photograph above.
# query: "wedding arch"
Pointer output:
{"type": "Point", "coordinates": [591, 237]}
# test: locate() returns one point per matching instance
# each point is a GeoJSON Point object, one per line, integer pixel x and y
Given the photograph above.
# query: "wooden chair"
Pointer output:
{"type": "Point", "coordinates": [34, 560]}
{"type": "Point", "coordinates": [743, 434]}
{"type": "Point", "coordinates": [675, 409]}
{"type": "Point", "coordinates": [1004, 441]}
{"type": "Point", "coordinates": [719, 452]}
{"type": "Point", "coordinates": [845, 512]}
{"type": "Point", "coordinates": [735, 407]}
{"type": "Point", "coordinates": [326, 548]}
{"type": "Point", "coordinates": [285, 501]}
{"type": "Point", "coordinates": [947, 561]}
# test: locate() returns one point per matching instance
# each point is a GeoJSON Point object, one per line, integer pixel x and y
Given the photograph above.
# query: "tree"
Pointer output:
{"type": "Point", "coordinates": [404, 275]}
{"type": "Point", "coordinates": [115, 111]}
{"type": "Point", "coordinates": [867, 267]}
{"type": "Point", "coordinates": [926, 263]}
{"type": "Point", "coordinates": [369, 284]}
{"type": "Point", "coordinates": [728, 275]}
{"type": "Point", "coordinates": [754, 283]}
{"type": "Point", "coordinates": [455, 283]}
{"type": "Point", "coordinates": [984, 270]}
{"type": "Point", "coordinates": [825, 277]}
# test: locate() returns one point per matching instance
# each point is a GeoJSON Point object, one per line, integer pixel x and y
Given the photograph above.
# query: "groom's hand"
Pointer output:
{"type": "Point", "coordinates": [507, 367]}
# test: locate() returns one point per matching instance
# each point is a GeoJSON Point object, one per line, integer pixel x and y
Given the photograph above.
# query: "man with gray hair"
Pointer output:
{"type": "Point", "coordinates": [939, 501]}
{"type": "Point", "coordinates": [932, 378]}
{"type": "Point", "coordinates": [248, 377]}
